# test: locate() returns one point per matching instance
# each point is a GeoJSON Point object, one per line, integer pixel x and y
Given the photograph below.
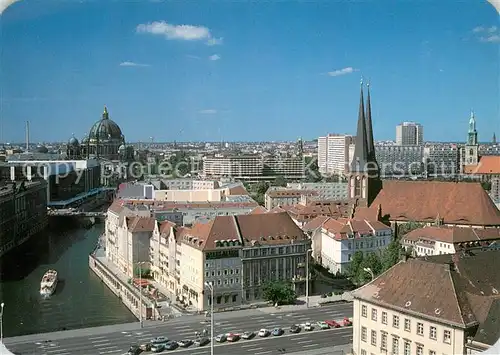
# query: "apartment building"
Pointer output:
{"type": "Point", "coordinates": [282, 196]}
{"type": "Point", "coordinates": [333, 153]}
{"type": "Point", "coordinates": [334, 241]}
{"type": "Point", "coordinates": [409, 133]}
{"type": "Point", "coordinates": [400, 159]}
{"type": "Point", "coordinates": [495, 189]}
{"type": "Point", "coordinates": [237, 254]}
{"type": "Point", "coordinates": [441, 159]}
{"type": "Point", "coordinates": [200, 193]}
{"type": "Point", "coordinates": [445, 304]}
{"type": "Point", "coordinates": [310, 208]}
{"type": "Point", "coordinates": [324, 190]}
{"type": "Point", "coordinates": [23, 211]}
{"type": "Point", "coordinates": [433, 240]}
{"type": "Point", "coordinates": [128, 240]}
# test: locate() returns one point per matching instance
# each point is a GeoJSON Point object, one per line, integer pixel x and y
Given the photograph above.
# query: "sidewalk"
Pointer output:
{"type": "Point", "coordinates": [336, 350]}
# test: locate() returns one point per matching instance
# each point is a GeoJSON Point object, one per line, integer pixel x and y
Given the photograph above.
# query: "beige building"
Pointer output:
{"type": "Point", "coordinates": [447, 304]}
{"type": "Point", "coordinates": [432, 240]}
{"type": "Point", "coordinates": [333, 153]}
{"type": "Point", "coordinates": [200, 192]}
{"type": "Point", "coordinates": [238, 254]}
{"type": "Point", "coordinates": [128, 237]}
{"type": "Point", "coordinates": [282, 196]}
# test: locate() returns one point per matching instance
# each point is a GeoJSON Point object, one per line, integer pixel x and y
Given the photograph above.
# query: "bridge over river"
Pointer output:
{"type": "Point", "coordinates": [75, 213]}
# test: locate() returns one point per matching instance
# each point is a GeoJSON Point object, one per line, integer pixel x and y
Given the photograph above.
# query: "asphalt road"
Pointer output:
{"type": "Point", "coordinates": [184, 328]}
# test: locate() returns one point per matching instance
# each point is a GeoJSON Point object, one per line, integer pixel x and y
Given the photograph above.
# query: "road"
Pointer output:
{"type": "Point", "coordinates": [118, 342]}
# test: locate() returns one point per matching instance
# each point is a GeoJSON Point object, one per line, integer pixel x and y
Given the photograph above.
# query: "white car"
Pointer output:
{"type": "Point", "coordinates": [308, 327]}
{"type": "Point", "coordinates": [264, 333]}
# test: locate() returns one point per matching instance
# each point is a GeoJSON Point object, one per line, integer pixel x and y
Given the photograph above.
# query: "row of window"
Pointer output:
{"type": "Point", "coordinates": [407, 347]}
{"type": "Point", "coordinates": [406, 324]}
{"type": "Point", "coordinates": [223, 272]}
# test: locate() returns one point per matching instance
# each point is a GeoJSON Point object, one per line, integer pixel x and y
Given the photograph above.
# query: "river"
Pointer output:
{"type": "Point", "coordinates": [81, 299]}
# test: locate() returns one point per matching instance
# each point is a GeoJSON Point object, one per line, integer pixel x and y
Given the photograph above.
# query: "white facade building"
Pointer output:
{"type": "Point", "coordinates": [333, 153]}
{"type": "Point", "coordinates": [409, 133]}
{"type": "Point", "coordinates": [336, 240]}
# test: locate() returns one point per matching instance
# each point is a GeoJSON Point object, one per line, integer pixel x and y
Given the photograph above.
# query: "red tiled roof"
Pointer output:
{"type": "Point", "coordinates": [258, 210]}
{"type": "Point", "coordinates": [488, 164]}
{"type": "Point", "coordinates": [140, 224]}
{"type": "Point", "coordinates": [421, 201]}
{"type": "Point", "coordinates": [238, 190]}
{"type": "Point", "coordinates": [165, 227]}
{"type": "Point", "coordinates": [315, 223]}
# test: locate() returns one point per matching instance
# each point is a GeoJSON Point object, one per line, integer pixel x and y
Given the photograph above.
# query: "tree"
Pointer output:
{"type": "Point", "coordinates": [312, 170]}
{"type": "Point", "coordinates": [360, 262]}
{"type": "Point", "coordinates": [392, 254]}
{"type": "Point", "coordinates": [486, 185]}
{"type": "Point", "coordinates": [355, 265]}
{"type": "Point", "coordinates": [405, 228]}
{"type": "Point", "coordinates": [279, 292]}
{"type": "Point", "coordinates": [279, 181]}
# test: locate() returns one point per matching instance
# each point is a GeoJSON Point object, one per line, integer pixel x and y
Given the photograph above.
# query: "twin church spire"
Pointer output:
{"type": "Point", "coordinates": [364, 148]}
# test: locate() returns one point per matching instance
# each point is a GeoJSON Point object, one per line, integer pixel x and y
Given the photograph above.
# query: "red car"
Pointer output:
{"type": "Point", "coordinates": [346, 322]}
{"type": "Point", "coordinates": [231, 337]}
{"type": "Point", "coordinates": [332, 324]}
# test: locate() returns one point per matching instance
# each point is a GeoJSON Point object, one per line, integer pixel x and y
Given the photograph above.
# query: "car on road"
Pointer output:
{"type": "Point", "coordinates": [295, 329]}
{"type": "Point", "coordinates": [171, 345]}
{"type": "Point", "coordinates": [346, 322]}
{"type": "Point", "coordinates": [134, 350]}
{"type": "Point", "coordinates": [308, 327]}
{"type": "Point", "coordinates": [332, 323]}
{"type": "Point", "coordinates": [159, 340]}
{"type": "Point", "coordinates": [247, 335]}
{"type": "Point", "coordinates": [277, 332]}
{"type": "Point", "coordinates": [157, 348]}
{"type": "Point", "coordinates": [323, 325]}
{"type": "Point", "coordinates": [264, 333]}
{"type": "Point", "coordinates": [232, 337]}
{"type": "Point", "coordinates": [145, 347]}
{"type": "Point", "coordinates": [201, 341]}
{"type": "Point", "coordinates": [185, 343]}
{"type": "Point", "coordinates": [221, 338]}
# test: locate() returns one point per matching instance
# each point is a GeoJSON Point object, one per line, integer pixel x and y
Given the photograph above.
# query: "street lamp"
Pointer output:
{"type": "Point", "coordinates": [307, 276]}
{"type": "Point", "coordinates": [210, 286]}
{"type": "Point", "coordinates": [140, 293]}
{"type": "Point", "coordinates": [368, 270]}
{"type": "Point", "coordinates": [1, 322]}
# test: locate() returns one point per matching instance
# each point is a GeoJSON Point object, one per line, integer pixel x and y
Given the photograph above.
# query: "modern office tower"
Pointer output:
{"type": "Point", "coordinates": [333, 153]}
{"type": "Point", "coordinates": [409, 133]}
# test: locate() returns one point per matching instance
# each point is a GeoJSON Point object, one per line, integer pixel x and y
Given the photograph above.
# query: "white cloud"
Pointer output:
{"type": "Point", "coordinates": [494, 38]}
{"type": "Point", "coordinates": [214, 57]}
{"type": "Point", "coordinates": [478, 29]}
{"type": "Point", "coordinates": [133, 64]}
{"type": "Point", "coordinates": [343, 71]}
{"type": "Point", "coordinates": [4, 4]}
{"type": "Point", "coordinates": [179, 32]}
{"type": "Point", "coordinates": [492, 29]}
{"type": "Point", "coordinates": [215, 41]}
{"type": "Point", "coordinates": [192, 56]}
{"type": "Point", "coordinates": [210, 111]}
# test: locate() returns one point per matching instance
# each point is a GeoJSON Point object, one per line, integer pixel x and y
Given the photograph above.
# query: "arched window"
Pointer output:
{"type": "Point", "coordinates": [357, 187]}
{"type": "Point", "coordinates": [471, 152]}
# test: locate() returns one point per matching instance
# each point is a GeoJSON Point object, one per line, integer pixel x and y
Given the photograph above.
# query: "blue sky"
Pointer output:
{"type": "Point", "coordinates": [248, 70]}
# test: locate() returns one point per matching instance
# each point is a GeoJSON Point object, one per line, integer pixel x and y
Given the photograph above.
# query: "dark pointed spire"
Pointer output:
{"type": "Point", "coordinates": [360, 158]}
{"type": "Point", "coordinates": [494, 140]}
{"type": "Point", "coordinates": [369, 127]}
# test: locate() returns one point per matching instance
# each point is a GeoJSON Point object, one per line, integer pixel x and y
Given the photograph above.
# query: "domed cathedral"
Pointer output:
{"type": "Point", "coordinates": [104, 141]}
{"type": "Point", "coordinates": [364, 182]}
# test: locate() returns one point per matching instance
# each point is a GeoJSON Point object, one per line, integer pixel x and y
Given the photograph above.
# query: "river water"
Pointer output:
{"type": "Point", "coordinates": [81, 299]}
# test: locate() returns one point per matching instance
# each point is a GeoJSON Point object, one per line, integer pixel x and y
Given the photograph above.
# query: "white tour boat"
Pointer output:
{"type": "Point", "coordinates": [49, 283]}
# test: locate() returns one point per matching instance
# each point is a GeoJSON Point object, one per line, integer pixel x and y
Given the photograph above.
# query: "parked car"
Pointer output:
{"type": "Point", "coordinates": [264, 333]}
{"type": "Point", "coordinates": [232, 337]}
{"type": "Point", "coordinates": [158, 348]}
{"type": "Point", "coordinates": [185, 343]}
{"type": "Point", "coordinates": [172, 345]}
{"type": "Point", "coordinates": [248, 335]}
{"type": "Point", "coordinates": [346, 322]}
{"type": "Point", "coordinates": [323, 325]}
{"type": "Point", "coordinates": [221, 338]}
{"type": "Point", "coordinates": [295, 329]}
{"type": "Point", "coordinates": [159, 340]}
{"type": "Point", "coordinates": [277, 332]}
{"type": "Point", "coordinates": [145, 347]}
{"type": "Point", "coordinates": [308, 327]}
{"type": "Point", "coordinates": [332, 323]}
{"type": "Point", "coordinates": [201, 341]}
{"type": "Point", "coordinates": [134, 350]}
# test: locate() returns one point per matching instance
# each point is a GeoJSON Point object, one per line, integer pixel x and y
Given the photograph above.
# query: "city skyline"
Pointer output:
{"type": "Point", "coordinates": [176, 72]}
